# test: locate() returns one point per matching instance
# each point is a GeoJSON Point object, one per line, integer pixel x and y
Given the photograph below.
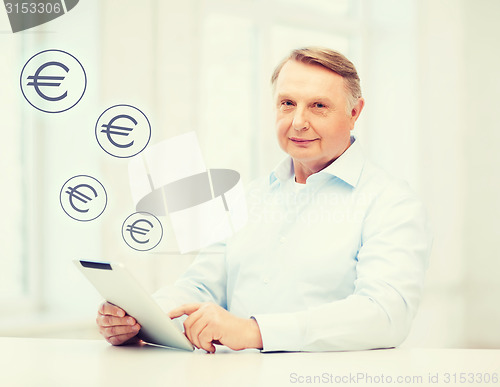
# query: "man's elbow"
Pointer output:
{"type": "Point", "coordinates": [395, 327]}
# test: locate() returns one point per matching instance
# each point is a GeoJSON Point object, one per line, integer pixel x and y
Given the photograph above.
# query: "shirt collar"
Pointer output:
{"type": "Point", "coordinates": [347, 167]}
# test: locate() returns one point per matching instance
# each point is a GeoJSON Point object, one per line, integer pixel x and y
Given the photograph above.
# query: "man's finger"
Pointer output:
{"type": "Point", "coordinates": [120, 330]}
{"type": "Point", "coordinates": [111, 310]}
{"type": "Point", "coordinates": [192, 319]}
{"type": "Point", "coordinates": [120, 339]}
{"type": "Point", "coordinates": [195, 330]}
{"type": "Point", "coordinates": [109, 321]}
{"type": "Point", "coordinates": [184, 309]}
{"type": "Point", "coordinates": [205, 339]}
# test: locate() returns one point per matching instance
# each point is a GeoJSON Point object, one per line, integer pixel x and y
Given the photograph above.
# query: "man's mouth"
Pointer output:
{"type": "Point", "coordinates": [302, 140]}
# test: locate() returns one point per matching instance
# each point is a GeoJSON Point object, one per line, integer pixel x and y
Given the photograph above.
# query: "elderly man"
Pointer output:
{"type": "Point", "coordinates": [334, 254]}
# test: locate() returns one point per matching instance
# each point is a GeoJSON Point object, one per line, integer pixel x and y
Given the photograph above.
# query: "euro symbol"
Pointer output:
{"type": "Point", "coordinates": [37, 77]}
{"type": "Point", "coordinates": [125, 132]}
{"type": "Point", "coordinates": [74, 193]}
{"type": "Point", "coordinates": [133, 229]}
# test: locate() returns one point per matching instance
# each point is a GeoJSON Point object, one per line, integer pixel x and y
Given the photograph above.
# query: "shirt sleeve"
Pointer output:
{"type": "Point", "coordinates": [391, 263]}
{"type": "Point", "coordinates": [204, 281]}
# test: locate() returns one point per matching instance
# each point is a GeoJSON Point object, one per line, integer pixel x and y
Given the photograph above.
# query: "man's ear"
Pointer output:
{"type": "Point", "coordinates": [356, 110]}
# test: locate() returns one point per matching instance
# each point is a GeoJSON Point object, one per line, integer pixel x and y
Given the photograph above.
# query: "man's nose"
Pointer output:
{"type": "Point", "coordinates": [300, 120]}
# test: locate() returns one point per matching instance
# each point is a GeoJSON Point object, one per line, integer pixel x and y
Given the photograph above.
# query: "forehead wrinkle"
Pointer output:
{"type": "Point", "coordinates": [305, 91]}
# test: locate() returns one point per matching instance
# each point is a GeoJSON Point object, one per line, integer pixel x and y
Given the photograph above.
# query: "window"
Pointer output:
{"type": "Point", "coordinates": [16, 156]}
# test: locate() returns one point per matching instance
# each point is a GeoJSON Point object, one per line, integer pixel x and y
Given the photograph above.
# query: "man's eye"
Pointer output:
{"type": "Point", "coordinates": [287, 103]}
{"type": "Point", "coordinates": [319, 105]}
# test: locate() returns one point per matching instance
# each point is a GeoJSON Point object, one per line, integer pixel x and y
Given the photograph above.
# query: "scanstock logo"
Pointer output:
{"type": "Point", "coordinates": [24, 14]}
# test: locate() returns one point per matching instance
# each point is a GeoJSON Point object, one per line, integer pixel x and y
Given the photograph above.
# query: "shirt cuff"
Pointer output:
{"type": "Point", "coordinates": [281, 332]}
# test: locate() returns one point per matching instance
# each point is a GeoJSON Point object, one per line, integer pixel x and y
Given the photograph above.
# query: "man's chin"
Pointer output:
{"type": "Point", "coordinates": [304, 155]}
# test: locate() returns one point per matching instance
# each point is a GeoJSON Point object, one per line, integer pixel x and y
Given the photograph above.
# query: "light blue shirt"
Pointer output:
{"type": "Point", "coordinates": [337, 263]}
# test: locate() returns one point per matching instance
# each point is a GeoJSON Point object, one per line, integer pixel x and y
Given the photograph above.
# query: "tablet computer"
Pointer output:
{"type": "Point", "coordinates": [117, 286]}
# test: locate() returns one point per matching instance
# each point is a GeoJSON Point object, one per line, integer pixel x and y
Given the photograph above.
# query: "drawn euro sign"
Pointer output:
{"type": "Point", "coordinates": [25, 14]}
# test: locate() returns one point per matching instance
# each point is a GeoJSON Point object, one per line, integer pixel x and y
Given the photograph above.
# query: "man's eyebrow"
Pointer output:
{"type": "Point", "coordinates": [283, 96]}
{"type": "Point", "coordinates": [312, 99]}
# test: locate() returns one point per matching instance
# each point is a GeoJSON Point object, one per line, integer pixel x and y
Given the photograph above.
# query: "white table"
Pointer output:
{"type": "Point", "coordinates": [51, 362]}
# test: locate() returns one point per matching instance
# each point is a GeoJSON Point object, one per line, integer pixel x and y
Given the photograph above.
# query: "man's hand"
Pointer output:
{"type": "Point", "coordinates": [115, 325]}
{"type": "Point", "coordinates": [208, 323]}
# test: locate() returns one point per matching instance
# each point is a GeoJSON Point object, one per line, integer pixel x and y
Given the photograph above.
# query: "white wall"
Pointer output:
{"type": "Point", "coordinates": [458, 91]}
{"type": "Point", "coordinates": [481, 227]}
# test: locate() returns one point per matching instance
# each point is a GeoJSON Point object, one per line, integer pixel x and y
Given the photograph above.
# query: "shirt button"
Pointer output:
{"type": "Point", "coordinates": [282, 240]}
{"type": "Point", "coordinates": [265, 280]}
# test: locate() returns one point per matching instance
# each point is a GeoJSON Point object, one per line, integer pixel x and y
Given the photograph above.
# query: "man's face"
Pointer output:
{"type": "Point", "coordinates": [312, 123]}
